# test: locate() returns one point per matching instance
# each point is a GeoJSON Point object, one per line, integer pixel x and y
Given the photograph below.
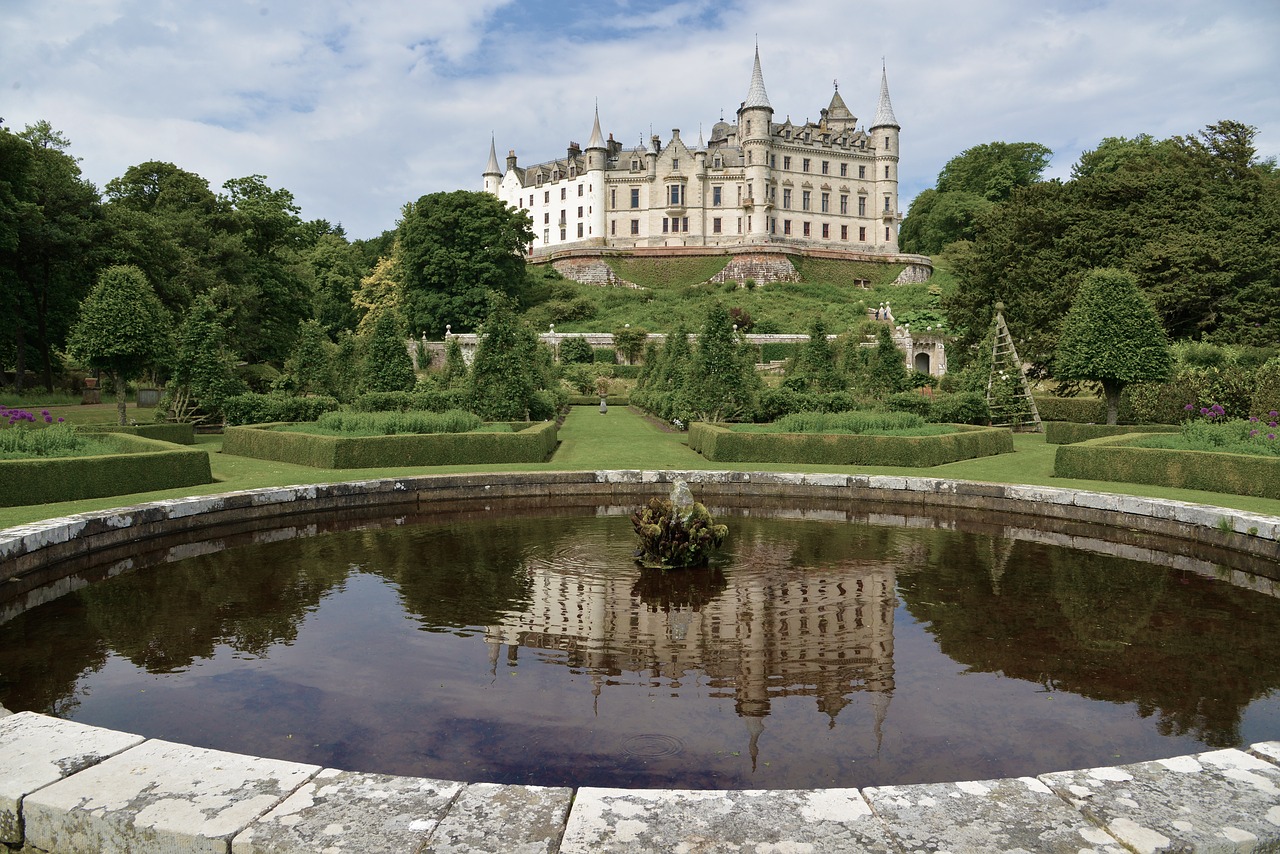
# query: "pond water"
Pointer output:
{"type": "Point", "coordinates": [820, 650]}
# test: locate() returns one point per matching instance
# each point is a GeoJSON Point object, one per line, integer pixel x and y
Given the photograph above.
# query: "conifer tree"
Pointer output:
{"type": "Point", "coordinates": [454, 375]}
{"type": "Point", "coordinates": [721, 384]}
{"type": "Point", "coordinates": [502, 381]}
{"type": "Point", "coordinates": [203, 375]}
{"type": "Point", "coordinates": [387, 365]}
{"type": "Point", "coordinates": [309, 369]}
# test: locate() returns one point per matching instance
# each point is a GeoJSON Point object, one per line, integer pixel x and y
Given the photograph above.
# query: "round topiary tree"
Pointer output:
{"type": "Point", "coordinates": [121, 328]}
{"type": "Point", "coordinates": [1112, 335]}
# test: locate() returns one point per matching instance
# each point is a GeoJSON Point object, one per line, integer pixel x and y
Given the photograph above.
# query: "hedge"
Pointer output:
{"type": "Point", "coordinates": [1080, 410]}
{"type": "Point", "coordinates": [778, 351]}
{"type": "Point", "coordinates": [1067, 433]}
{"type": "Point", "coordinates": [177, 434]}
{"type": "Point", "coordinates": [141, 465]}
{"type": "Point", "coordinates": [1115, 459]}
{"type": "Point", "coordinates": [594, 400]}
{"type": "Point", "coordinates": [264, 408]}
{"type": "Point", "coordinates": [403, 401]}
{"type": "Point", "coordinates": [721, 444]}
{"type": "Point", "coordinates": [532, 443]}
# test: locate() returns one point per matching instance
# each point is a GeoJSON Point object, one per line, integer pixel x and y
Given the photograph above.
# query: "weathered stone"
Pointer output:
{"type": "Point", "coordinates": [989, 816]}
{"type": "Point", "coordinates": [342, 811]}
{"type": "Point", "coordinates": [1224, 800]}
{"type": "Point", "coordinates": [511, 819]}
{"type": "Point", "coordinates": [36, 750]}
{"type": "Point", "coordinates": [159, 796]}
{"type": "Point", "coordinates": [747, 822]}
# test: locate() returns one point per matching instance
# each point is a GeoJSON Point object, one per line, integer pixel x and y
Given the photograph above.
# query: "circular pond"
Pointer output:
{"type": "Point", "coordinates": [828, 646]}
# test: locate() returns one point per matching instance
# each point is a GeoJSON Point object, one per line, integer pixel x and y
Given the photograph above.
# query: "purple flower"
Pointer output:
{"type": "Point", "coordinates": [61, 419]}
{"type": "Point", "coordinates": [1253, 419]}
{"type": "Point", "coordinates": [1190, 407]}
{"type": "Point", "coordinates": [1274, 414]}
{"type": "Point", "coordinates": [1271, 435]}
{"type": "Point", "coordinates": [1252, 433]}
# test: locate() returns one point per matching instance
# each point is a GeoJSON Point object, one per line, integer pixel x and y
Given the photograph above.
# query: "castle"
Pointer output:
{"type": "Point", "coordinates": [823, 185]}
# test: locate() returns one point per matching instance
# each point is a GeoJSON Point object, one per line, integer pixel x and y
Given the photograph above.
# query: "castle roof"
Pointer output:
{"type": "Point", "coordinates": [756, 96]}
{"type": "Point", "coordinates": [492, 168]}
{"type": "Point", "coordinates": [597, 138]}
{"type": "Point", "coordinates": [837, 111]}
{"type": "Point", "coordinates": [884, 111]}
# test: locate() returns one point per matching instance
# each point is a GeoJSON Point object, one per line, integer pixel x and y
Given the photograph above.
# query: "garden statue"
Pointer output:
{"type": "Point", "coordinates": [676, 532]}
{"type": "Point", "coordinates": [602, 389]}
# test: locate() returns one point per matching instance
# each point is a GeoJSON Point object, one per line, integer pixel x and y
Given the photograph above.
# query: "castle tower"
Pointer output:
{"type": "Point", "coordinates": [492, 174]}
{"type": "Point", "coordinates": [884, 133]}
{"type": "Point", "coordinates": [597, 160]}
{"type": "Point", "coordinates": [755, 130]}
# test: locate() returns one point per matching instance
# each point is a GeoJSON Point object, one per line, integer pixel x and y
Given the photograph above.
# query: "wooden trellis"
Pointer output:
{"type": "Point", "coordinates": [1017, 410]}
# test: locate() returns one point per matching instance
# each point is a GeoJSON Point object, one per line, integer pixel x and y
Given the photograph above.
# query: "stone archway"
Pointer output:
{"type": "Point", "coordinates": [921, 363]}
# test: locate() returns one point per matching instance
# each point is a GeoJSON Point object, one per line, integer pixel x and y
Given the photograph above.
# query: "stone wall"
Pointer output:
{"type": "Point", "coordinates": [591, 271]}
{"type": "Point", "coordinates": [761, 269]}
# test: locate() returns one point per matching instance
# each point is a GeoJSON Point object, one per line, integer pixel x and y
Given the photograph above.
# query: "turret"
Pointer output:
{"type": "Point", "coordinates": [492, 174]}
{"type": "Point", "coordinates": [755, 133]}
{"type": "Point", "coordinates": [597, 157]}
{"type": "Point", "coordinates": [884, 134]}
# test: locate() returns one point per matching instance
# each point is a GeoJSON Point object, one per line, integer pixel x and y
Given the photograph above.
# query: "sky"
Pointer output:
{"type": "Point", "coordinates": [360, 106]}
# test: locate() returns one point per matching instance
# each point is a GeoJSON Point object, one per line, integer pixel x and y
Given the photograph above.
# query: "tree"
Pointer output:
{"type": "Point", "coordinates": [722, 383]}
{"type": "Point", "coordinates": [379, 291]}
{"type": "Point", "coordinates": [121, 328]}
{"type": "Point", "coordinates": [203, 371]}
{"type": "Point", "coordinates": [309, 368]}
{"type": "Point", "coordinates": [630, 341]}
{"type": "Point", "coordinates": [1112, 335]}
{"type": "Point", "coordinates": [502, 380]}
{"type": "Point", "coordinates": [454, 374]}
{"type": "Point", "coordinates": [337, 269]}
{"type": "Point", "coordinates": [457, 248]}
{"type": "Point", "coordinates": [814, 367]}
{"type": "Point", "coordinates": [887, 367]}
{"type": "Point", "coordinates": [387, 364]}
{"type": "Point", "coordinates": [576, 351]}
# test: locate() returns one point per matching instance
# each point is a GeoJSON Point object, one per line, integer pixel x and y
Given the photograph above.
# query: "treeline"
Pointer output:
{"type": "Point", "coordinates": [1193, 219]}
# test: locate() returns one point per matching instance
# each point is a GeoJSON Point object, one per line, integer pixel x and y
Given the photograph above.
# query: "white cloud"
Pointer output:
{"type": "Point", "coordinates": [358, 107]}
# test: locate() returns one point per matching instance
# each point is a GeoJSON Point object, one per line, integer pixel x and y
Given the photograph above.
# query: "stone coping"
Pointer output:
{"type": "Point", "coordinates": [68, 787]}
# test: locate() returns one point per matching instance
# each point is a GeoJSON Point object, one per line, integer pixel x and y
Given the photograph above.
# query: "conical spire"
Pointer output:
{"type": "Point", "coordinates": [884, 111]}
{"type": "Point", "coordinates": [756, 96]}
{"type": "Point", "coordinates": [492, 168]}
{"type": "Point", "coordinates": [597, 138]}
{"type": "Point", "coordinates": [838, 110]}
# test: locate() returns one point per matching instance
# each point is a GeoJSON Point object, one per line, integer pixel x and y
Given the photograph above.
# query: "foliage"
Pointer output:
{"type": "Point", "coordinates": [456, 374]}
{"type": "Point", "coordinates": [57, 440]}
{"type": "Point", "coordinates": [337, 270]}
{"type": "Point", "coordinates": [846, 422]}
{"type": "Point", "coordinates": [309, 368]}
{"type": "Point", "coordinates": [1112, 335]}
{"type": "Point", "coordinates": [664, 273]}
{"type": "Point", "coordinates": [629, 341]}
{"type": "Point", "coordinates": [423, 399]}
{"type": "Point", "coordinates": [387, 364]}
{"type": "Point", "coordinates": [576, 351]}
{"type": "Point", "coordinates": [814, 367]}
{"type": "Point", "coordinates": [676, 532]}
{"type": "Point", "coordinates": [886, 369]}
{"type": "Point", "coordinates": [456, 249]}
{"type": "Point", "coordinates": [745, 443]}
{"type": "Point", "coordinates": [604, 356]}
{"type": "Point", "coordinates": [1068, 433]}
{"type": "Point", "coordinates": [253, 408]}
{"type": "Point", "coordinates": [721, 382]}
{"type": "Point", "coordinates": [380, 291]}
{"type": "Point", "coordinates": [393, 423]}
{"type": "Point", "coordinates": [502, 377]}
{"type": "Point", "coordinates": [121, 328]}
{"type": "Point", "coordinates": [203, 373]}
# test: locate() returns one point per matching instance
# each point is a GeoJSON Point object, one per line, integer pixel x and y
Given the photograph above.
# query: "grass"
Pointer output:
{"type": "Point", "coordinates": [623, 439]}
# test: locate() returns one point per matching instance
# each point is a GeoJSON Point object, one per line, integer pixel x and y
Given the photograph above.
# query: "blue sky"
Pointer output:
{"type": "Point", "coordinates": [358, 107]}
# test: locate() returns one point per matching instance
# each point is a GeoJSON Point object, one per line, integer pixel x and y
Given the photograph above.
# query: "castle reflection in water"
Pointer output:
{"type": "Point", "coordinates": [763, 630]}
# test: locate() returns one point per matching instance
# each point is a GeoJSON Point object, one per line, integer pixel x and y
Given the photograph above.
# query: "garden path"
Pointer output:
{"type": "Point", "coordinates": [620, 439]}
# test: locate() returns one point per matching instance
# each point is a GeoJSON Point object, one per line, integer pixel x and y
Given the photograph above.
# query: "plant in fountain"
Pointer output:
{"type": "Point", "coordinates": [676, 532]}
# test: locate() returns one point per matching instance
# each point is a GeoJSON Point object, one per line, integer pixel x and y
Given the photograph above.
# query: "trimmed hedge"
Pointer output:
{"type": "Point", "coordinates": [1116, 459]}
{"type": "Point", "coordinates": [429, 400]}
{"type": "Point", "coordinates": [594, 400]}
{"type": "Point", "coordinates": [531, 443]}
{"type": "Point", "coordinates": [263, 408]}
{"type": "Point", "coordinates": [177, 434]}
{"type": "Point", "coordinates": [1067, 433]}
{"type": "Point", "coordinates": [1081, 410]}
{"type": "Point", "coordinates": [141, 465]}
{"type": "Point", "coordinates": [719, 443]}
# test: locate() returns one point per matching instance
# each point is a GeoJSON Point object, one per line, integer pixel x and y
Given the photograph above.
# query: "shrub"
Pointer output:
{"type": "Point", "coordinates": [1067, 433]}
{"type": "Point", "coordinates": [387, 365]}
{"type": "Point", "coordinates": [259, 378]}
{"type": "Point", "coordinates": [966, 407]}
{"type": "Point", "coordinates": [604, 356]}
{"type": "Point", "coordinates": [847, 422]}
{"type": "Point", "coordinates": [57, 440]}
{"type": "Point", "coordinates": [576, 351]}
{"type": "Point", "coordinates": [178, 433]}
{"type": "Point", "coordinates": [777, 351]}
{"type": "Point", "coordinates": [719, 443]}
{"type": "Point", "coordinates": [395, 423]}
{"type": "Point", "coordinates": [909, 401]}
{"type": "Point", "coordinates": [1122, 459]}
{"type": "Point", "coordinates": [423, 400]}
{"type": "Point", "coordinates": [264, 408]}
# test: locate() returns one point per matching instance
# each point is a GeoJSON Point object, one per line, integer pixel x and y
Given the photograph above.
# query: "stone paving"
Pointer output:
{"type": "Point", "coordinates": [74, 789]}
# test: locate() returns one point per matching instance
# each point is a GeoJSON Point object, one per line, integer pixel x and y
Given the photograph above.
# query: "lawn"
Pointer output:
{"type": "Point", "coordinates": [624, 439]}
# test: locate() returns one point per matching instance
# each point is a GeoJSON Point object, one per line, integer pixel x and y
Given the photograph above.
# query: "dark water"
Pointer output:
{"type": "Point", "coordinates": [818, 652]}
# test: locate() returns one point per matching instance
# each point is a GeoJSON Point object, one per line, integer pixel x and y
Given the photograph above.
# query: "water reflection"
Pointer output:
{"type": "Point", "coordinates": [819, 651]}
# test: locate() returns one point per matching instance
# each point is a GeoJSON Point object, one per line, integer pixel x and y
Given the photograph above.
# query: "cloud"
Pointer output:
{"type": "Point", "coordinates": [359, 107]}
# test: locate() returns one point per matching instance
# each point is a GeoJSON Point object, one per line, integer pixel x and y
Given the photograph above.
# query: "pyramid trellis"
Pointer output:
{"type": "Point", "coordinates": [1008, 393]}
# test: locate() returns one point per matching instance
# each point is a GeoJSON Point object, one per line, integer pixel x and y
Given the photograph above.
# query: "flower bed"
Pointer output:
{"type": "Point", "coordinates": [524, 443]}
{"type": "Point", "coordinates": [1125, 459]}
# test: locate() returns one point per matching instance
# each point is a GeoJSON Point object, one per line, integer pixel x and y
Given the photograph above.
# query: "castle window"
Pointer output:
{"type": "Point", "coordinates": [826, 230]}
{"type": "Point", "coordinates": [886, 233]}
{"type": "Point", "coordinates": [804, 200]}
{"type": "Point", "coordinates": [826, 167]}
{"type": "Point", "coordinates": [886, 173]}
{"type": "Point", "coordinates": [844, 203]}
{"type": "Point", "coordinates": [675, 163]}
{"type": "Point", "coordinates": [826, 202]}
{"type": "Point", "coordinates": [844, 170]}
{"type": "Point", "coordinates": [531, 200]}
{"type": "Point", "coordinates": [546, 235]}
{"type": "Point", "coordinates": [563, 234]}
{"type": "Point", "coordinates": [635, 226]}
{"type": "Point", "coordinates": [635, 164]}
{"type": "Point", "coordinates": [635, 197]}
{"type": "Point", "coordinates": [749, 159]}
{"type": "Point", "coordinates": [546, 218]}
{"type": "Point", "coordinates": [886, 143]}
{"type": "Point", "coordinates": [579, 229]}
{"type": "Point", "coordinates": [844, 232]}
{"type": "Point", "coordinates": [806, 229]}
{"type": "Point", "coordinates": [862, 205]}
{"type": "Point", "coordinates": [555, 175]}
{"type": "Point", "coordinates": [786, 198]}
{"type": "Point", "coordinates": [563, 193]}
{"type": "Point", "coordinates": [664, 225]}
{"type": "Point", "coordinates": [546, 197]}
{"type": "Point", "coordinates": [613, 227]}
{"type": "Point", "coordinates": [717, 163]}
{"type": "Point", "coordinates": [674, 194]}
{"type": "Point", "coordinates": [773, 161]}
{"type": "Point", "coordinates": [786, 226]}
{"type": "Point", "coordinates": [717, 196]}
{"type": "Point", "coordinates": [862, 233]}
{"type": "Point", "coordinates": [862, 171]}
{"type": "Point", "coordinates": [748, 126]}
{"type": "Point", "coordinates": [579, 211]}
{"type": "Point", "coordinates": [786, 161]}
{"type": "Point", "coordinates": [739, 225]}
{"type": "Point", "coordinates": [684, 223]}
{"type": "Point", "coordinates": [579, 189]}
{"type": "Point", "coordinates": [715, 225]}
{"type": "Point", "coordinates": [886, 204]}
{"type": "Point", "coordinates": [806, 164]}
{"type": "Point", "coordinates": [613, 199]}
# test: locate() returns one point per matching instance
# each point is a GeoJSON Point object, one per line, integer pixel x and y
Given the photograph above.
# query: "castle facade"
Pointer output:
{"type": "Point", "coordinates": [826, 185]}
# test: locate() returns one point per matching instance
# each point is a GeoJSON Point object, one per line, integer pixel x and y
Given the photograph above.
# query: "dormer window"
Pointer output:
{"type": "Point", "coordinates": [675, 163]}
{"type": "Point", "coordinates": [635, 165]}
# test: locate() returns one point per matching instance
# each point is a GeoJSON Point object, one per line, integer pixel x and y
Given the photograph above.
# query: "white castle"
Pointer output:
{"type": "Point", "coordinates": [824, 185]}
